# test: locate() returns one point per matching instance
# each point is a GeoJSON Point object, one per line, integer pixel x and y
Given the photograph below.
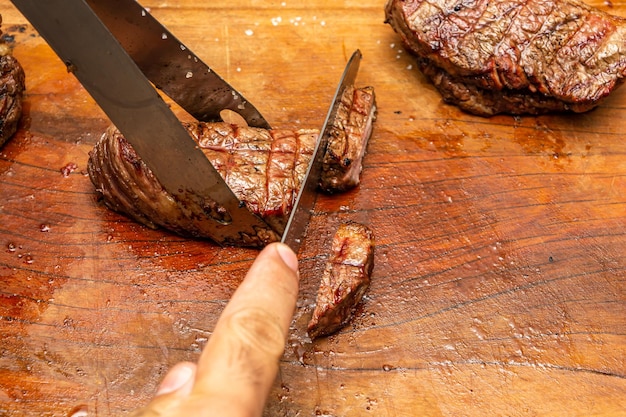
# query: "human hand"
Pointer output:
{"type": "Point", "coordinates": [238, 365]}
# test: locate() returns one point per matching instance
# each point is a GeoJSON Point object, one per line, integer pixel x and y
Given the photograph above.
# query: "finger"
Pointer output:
{"type": "Point", "coordinates": [240, 362]}
{"type": "Point", "coordinates": [172, 392]}
{"type": "Point", "coordinates": [179, 378]}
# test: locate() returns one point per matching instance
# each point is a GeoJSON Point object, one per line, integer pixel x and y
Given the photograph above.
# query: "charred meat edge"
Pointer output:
{"type": "Point", "coordinates": [12, 86]}
{"type": "Point", "coordinates": [517, 57]}
{"type": "Point", "coordinates": [345, 280]}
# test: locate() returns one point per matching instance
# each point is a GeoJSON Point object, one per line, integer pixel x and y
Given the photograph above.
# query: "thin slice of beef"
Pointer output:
{"type": "Point", "coordinates": [12, 86]}
{"type": "Point", "coordinates": [264, 169]}
{"type": "Point", "coordinates": [342, 161]}
{"type": "Point", "coordinates": [512, 56]}
{"type": "Point", "coordinates": [345, 279]}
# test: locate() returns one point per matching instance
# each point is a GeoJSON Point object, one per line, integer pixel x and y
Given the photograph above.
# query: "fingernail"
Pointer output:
{"type": "Point", "coordinates": [288, 256]}
{"type": "Point", "coordinates": [175, 379]}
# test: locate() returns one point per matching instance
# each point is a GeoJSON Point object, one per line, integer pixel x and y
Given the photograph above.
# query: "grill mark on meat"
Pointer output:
{"type": "Point", "coordinates": [281, 170]}
{"type": "Point", "coordinates": [552, 41]}
{"type": "Point", "coordinates": [522, 31]}
{"type": "Point", "coordinates": [259, 165]}
{"type": "Point", "coordinates": [562, 55]}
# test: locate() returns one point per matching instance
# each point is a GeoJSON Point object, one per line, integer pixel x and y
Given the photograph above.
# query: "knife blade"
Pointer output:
{"type": "Point", "coordinates": [171, 66]}
{"type": "Point", "coordinates": [307, 196]}
{"type": "Point", "coordinates": [119, 87]}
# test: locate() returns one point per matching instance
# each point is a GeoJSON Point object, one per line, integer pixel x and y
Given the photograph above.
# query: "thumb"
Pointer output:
{"type": "Point", "coordinates": [173, 392]}
{"type": "Point", "coordinates": [179, 378]}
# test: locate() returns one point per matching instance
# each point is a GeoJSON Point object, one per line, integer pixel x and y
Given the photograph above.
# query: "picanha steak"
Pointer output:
{"type": "Point", "coordinates": [345, 279]}
{"type": "Point", "coordinates": [514, 56]}
{"type": "Point", "coordinates": [264, 169]}
{"type": "Point", "coordinates": [12, 86]}
{"type": "Point", "coordinates": [342, 161]}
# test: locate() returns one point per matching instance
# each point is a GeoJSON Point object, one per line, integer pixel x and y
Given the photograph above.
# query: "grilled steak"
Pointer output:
{"type": "Point", "coordinates": [264, 168]}
{"type": "Point", "coordinates": [512, 56]}
{"type": "Point", "coordinates": [346, 148]}
{"type": "Point", "coordinates": [345, 279]}
{"type": "Point", "coordinates": [12, 85]}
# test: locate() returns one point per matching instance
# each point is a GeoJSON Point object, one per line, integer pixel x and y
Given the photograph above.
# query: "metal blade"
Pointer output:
{"type": "Point", "coordinates": [107, 72]}
{"type": "Point", "coordinates": [170, 65]}
{"type": "Point", "coordinates": [303, 208]}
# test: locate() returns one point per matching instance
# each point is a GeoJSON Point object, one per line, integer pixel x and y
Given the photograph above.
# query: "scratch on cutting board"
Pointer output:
{"type": "Point", "coordinates": [106, 394]}
{"type": "Point", "coordinates": [612, 186]}
{"type": "Point", "coordinates": [317, 384]}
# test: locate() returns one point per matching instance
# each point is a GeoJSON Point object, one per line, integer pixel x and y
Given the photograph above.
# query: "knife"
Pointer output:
{"type": "Point", "coordinates": [171, 66]}
{"type": "Point", "coordinates": [305, 201]}
{"type": "Point", "coordinates": [109, 74]}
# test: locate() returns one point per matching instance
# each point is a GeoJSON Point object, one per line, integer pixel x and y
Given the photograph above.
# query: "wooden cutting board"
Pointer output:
{"type": "Point", "coordinates": [498, 287]}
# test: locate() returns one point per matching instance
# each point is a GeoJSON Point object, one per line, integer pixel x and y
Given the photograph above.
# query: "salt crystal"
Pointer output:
{"type": "Point", "coordinates": [249, 32]}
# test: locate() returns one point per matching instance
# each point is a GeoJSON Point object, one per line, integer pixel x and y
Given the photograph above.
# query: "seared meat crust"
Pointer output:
{"type": "Point", "coordinates": [12, 86]}
{"type": "Point", "coordinates": [348, 140]}
{"type": "Point", "coordinates": [345, 279]}
{"type": "Point", "coordinates": [514, 56]}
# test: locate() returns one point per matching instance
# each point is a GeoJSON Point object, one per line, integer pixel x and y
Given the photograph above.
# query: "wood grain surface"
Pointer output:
{"type": "Point", "coordinates": [498, 287]}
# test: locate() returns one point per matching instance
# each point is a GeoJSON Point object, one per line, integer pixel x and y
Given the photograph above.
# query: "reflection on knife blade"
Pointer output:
{"type": "Point", "coordinates": [108, 73]}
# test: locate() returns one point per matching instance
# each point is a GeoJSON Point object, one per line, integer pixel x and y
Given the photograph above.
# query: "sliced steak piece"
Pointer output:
{"type": "Point", "coordinates": [348, 140]}
{"type": "Point", "coordinates": [12, 86]}
{"type": "Point", "coordinates": [345, 279]}
{"type": "Point", "coordinates": [514, 56]}
{"type": "Point", "coordinates": [264, 168]}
